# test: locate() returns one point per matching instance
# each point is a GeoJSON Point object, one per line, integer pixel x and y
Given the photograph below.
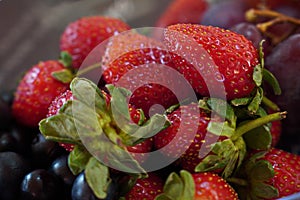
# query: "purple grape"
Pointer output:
{"type": "Point", "coordinates": [13, 167]}
{"type": "Point", "coordinates": [283, 62]}
{"type": "Point", "coordinates": [41, 185]}
{"type": "Point", "coordinates": [250, 31]}
{"type": "Point", "coordinates": [225, 14]}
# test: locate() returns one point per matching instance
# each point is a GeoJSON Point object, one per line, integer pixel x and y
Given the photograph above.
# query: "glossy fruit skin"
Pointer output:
{"type": "Point", "coordinates": [134, 61]}
{"type": "Point", "coordinates": [283, 62]}
{"type": "Point", "coordinates": [61, 169]}
{"type": "Point", "coordinates": [13, 168]}
{"type": "Point", "coordinates": [211, 186]}
{"type": "Point", "coordinates": [233, 55]}
{"type": "Point", "coordinates": [44, 152]}
{"type": "Point", "coordinates": [81, 36]}
{"type": "Point", "coordinates": [41, 185]}
{"type": "Point", "coordinates": [287, 169]}
{"type": "Point", "coordinates": [147, 188]}
{"type": "Point", "coordinates": [82, 191]}
{"type": "Point", "coordinates": [181, 134]}
{"type": "Point", "coordinates": [182, 11]}
{"type": "Point", "coordinates": [225, 14]}
{"type": "Point", "coordinates": [35, 92]}
{"type": "Point", "coordinates": [276, 131]}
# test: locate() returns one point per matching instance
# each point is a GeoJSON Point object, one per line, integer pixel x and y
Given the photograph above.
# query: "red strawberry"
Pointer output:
{"type": "Point", "coordinates": [139, 59]}
{"type": "Point", "coordinates": [212, 186]}
{"type": "Point", "coordinates": [276, 129]}
{"type": "Point", "coordinates": [182, 11]}
{"type": "Point", "coordinates": [270, 175]}
{"type": "Point", "coordinates": [287, 171]}
{"type": "Point", "coordinates": [139, 149]}
{"type": "Point", "coordinates": [81, 36]}
{"type": "Point", "coordinates": [271, 4]}
{"type": "Point", "coordinates": [36, 91]}
{"type": "Point", "coordinates": [232, 65]}
{"type": "Point", "coordinates": [198, 186]}
{"type": "Point", "coordinates": [146, 188]}
{"type": "Point", "coordinates": [188, 129]}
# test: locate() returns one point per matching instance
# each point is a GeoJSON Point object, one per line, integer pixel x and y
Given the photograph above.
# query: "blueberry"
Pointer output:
{"type": "Point", "coordinates": [44, 152]}
{"type": "Point", "coordinates": [82, 191]}
{"type": "Point", "coordinates": [41, 185]}
{"type": "Point", "coordinates": [60, 168]}
{"type": "Point", "coordinates": [13, 167]}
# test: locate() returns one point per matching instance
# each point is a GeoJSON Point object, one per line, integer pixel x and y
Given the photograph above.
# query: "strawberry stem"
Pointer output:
{"type": "Point", "coordinates": [257, 123]}
{"type": "Point", "coordinates": [88, 69]}
{"type": "Point", "coordinates": [270, 104]}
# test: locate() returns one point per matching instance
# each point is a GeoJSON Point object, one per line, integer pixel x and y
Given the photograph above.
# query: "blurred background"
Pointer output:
{"type": "Point", "coordinates": [31, 29]}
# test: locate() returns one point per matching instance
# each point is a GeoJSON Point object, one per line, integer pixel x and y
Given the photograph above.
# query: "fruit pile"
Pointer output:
{"type": "Point", "coordinates": [196, 109]}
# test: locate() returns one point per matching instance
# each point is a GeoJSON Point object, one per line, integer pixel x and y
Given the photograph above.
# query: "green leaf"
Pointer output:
{"type": "Point", "coordinates": [78, 159]}
{"type": "Point", "coordinates": [60, 128]}
{"type": "Point", "coordinates": [265, 191]}
{"type": "Point", "coordinates": [272, 81]}
{"type": "Point", "coordinates": [262, 171]}
{"type": "Point", "coordinates": [220, 128]}
{"type": "Point", "coordinates": [65, 59]}
{"type": "Point", "coordinates": [223, 109]}
{"type": "Point", "coordinates": [259, 138]}
{"type": "Point", "coordinates": [256, 101]}
{"type": "Point", "coordinates": [134, 135]}
{"type": "Point", "coordinates": [97, 177]}
{"type": "Point", "coordinates": [64, 75]}
{"type": "Point", "coordinates": [241, 101]}
{"type": "Point", "coordinates": [211, 163]}
{"type": "Point", "coordinates": [178, 187]}
{"type": "Point", "coordinates": [258, 75]}
{"type": "Point", "coordinates": [88, 92]}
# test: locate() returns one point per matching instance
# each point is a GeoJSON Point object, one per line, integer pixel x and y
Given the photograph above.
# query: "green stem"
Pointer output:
{"type": "Point", "coordinates": [270, 104]}
{"type": "Point", "coordinates": [257, 123]}
{"type": "Point", "coordinates": [87, 69]}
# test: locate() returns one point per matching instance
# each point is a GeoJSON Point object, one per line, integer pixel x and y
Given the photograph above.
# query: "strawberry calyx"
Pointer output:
{"type": "Point", "coordinates": [254, 176]}
{"type": "Point", "coordinates": [65, 75]}
{"type": "Point", "coordinates": [227, 154]}
{"type": "Point", "coordinates": [178, 186]}
{"type": "Point", "coordinates": [99, 132]}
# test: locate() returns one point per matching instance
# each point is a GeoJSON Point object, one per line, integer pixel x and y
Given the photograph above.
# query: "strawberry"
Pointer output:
{"type": "Point", "coordinates": [182, 11]}
{"type": "Point", "coordinates": [194, 138]}
{"type": "Point", "coordinates": [287, 171]}
{"type": "Point", "coordinates": [271, 4]}
{"type": "Point", "coordinates": [234, 59]}
{"type": "Point", "coordinates": [193, 119]}
{"type": "Point", "coordinates": [35, 92]}
{"type": "Point", "coordinates": [139, 149]}
{"type": "Point", "coordinates": [276, 129]}
{"type": "Point", "coordinates": [82, 35]}
{"type": "Point", "coordinates": [136, 57]}
{"type": "Point", "coordinates": [269, 174]}
{"type": "Point", "coordinates": [197, 186]}
{"type": "Point", "coordinates": [146, 188]}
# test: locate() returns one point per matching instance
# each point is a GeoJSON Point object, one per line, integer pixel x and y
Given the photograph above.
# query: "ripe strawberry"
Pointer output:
{"type": "Point", "coordinates": [276, 129]}
{"type": "Point", "coordinates": [197, 186]}
{"type": "Point", "coordinates": [81, 36]}
{"type": "Point", "coordinates": [140, 64]}
{"type": "Point", "coordinates": [234, 58]}
{"type": "Point", "coordinates": [146, 188]}
{"type": "Point", "coordinates": [212, 186]}
{"type": "Point", "coordinates": [36, 91]}
{"type": "Point", "coordinates": [182, 11]}
{"type": "Point", "coordinates": [271, 4]}
{"type": "Point", "coordinates": [139, 149]}
{"type": "Point", "coordinates": [185, 136]}
{"type": "Point", "coordinates": [287, 171]}
{"type": "Point", "coordinates": [270, 175]}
